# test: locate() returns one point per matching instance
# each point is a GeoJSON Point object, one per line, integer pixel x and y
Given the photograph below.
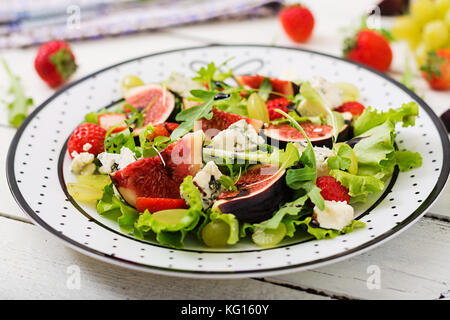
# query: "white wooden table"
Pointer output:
{"type": "Point", "coordinates": [33, 265]}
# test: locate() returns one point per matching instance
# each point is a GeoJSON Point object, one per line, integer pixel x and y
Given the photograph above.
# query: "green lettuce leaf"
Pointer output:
{"type": "Point", "coordinates": [359, 186]}
{"type": "Point", "coordinates": [371, 118]}
{"type": "Point", "coordinates": [112, 207]}
{"type": "Point", "coordinates": [407, 160]}
{"type": "Point", "coordinates": [173, 234]}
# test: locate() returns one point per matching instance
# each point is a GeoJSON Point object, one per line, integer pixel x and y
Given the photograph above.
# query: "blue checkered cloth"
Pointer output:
{"type": "Point", "coordinates": [30, 22]}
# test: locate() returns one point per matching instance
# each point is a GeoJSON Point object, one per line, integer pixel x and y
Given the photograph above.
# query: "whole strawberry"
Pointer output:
{"type": "Point", "coordinates": [87, 137]}
{"type": "Point", "coordinates": [370, 48]}
{"type": "Point", "coordinates": [437, 69]}
{"type": "Point", "coordinates": [55, 62]}
{"type": "Point", "coordinates": [297, 22]}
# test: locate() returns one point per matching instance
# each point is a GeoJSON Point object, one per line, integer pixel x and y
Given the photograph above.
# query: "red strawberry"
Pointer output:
{"type": "Point", "coordinates": [332, 189]}
{"type": "Point", "coordinates": [297, 22]}
{"type": "Point", "coordinates": [87, 133]}
{"type": "Point", "coordinates": [370, 48]}
{"type": "Point", "coordinates": [437, 69]}
{"type": "Point", "coordinates": [107, 120]}
{"type": "Point", "coordinates": [55, 62]}
{"type": "Point", "coordinates": [280, 103]}
{"type": "Point", "coordinates": [163, 129]}
{"type": "Point", "coordinates": [354, 107]}
{"type": "Point", "coordinates": [158, 204]}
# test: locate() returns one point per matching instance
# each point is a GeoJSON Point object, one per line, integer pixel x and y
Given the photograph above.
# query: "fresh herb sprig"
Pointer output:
{"type": "Point", "coordinates": [304, 179]}
{"type": "Point", "coordinates": [18, 108]}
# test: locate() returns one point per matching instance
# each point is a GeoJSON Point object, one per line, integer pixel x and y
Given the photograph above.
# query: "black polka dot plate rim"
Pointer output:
{"type": "Point", "coordinates": [38, 167]}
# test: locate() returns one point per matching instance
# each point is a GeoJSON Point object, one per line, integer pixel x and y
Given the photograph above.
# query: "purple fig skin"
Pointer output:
{"type": "Point", "coordinates": [258, 205]}
{"type": "Point", "coordinates": [445, 117]}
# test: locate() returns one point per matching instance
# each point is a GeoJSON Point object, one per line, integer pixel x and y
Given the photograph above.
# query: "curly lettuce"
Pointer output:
{"type": "Point", "coordinates": [371, 118]}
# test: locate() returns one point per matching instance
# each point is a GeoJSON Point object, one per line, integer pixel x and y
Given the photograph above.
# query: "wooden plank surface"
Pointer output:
{"type": "Point", "coordinates": [33, 265]}
{"type": "Point", "coordinates": [414, 265]}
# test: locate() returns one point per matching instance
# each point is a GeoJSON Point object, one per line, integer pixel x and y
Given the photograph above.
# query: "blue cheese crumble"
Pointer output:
{"type": "Point", "coordinates": [336, 215]}
{"type": "Point", "coordinates": [207, 181]}
{"type": "Point", "coordinates": [238, 137]}
{"type": "Point", "coordinates": [82, 163]}
{"type": "Point", "coordinates": [112, 162]}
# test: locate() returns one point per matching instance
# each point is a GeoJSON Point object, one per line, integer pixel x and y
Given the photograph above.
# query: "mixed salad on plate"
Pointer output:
{"type": "Point", "coordinates": [224, 156]}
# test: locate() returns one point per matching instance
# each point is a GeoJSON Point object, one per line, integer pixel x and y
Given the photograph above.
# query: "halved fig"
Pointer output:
{"type": "Point", "coordinates": [260, 191]}
{"type": "Point", "coordinates": [161, 175]}
{"type": "Point", "coordinates": [157, 102]}
{"type": "Point", "coordinates": [319, 135]}
{"type": "Point", "coordinates": [222, 120]}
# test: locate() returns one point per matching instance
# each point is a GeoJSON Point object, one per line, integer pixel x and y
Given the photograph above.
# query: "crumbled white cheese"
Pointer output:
{"type": "Point", "coordinates": [322, 154]}
{"type": "Point", "coordinates": [239, 136]}
{"type": "Point", "coordinates": [182, 85]}
{"type": "Point", "coordinates": [207, 181]}
{"type": "Point", "coordinates": [112, 162]}
{"type": "Point", "coordinates": [82, 163]}
{"type": "Point", "coordinates": [329, 92]}
{"type": "Point", "coordinates": [87, 147]}
{"type": "Point", "coordinates": [336, 215]}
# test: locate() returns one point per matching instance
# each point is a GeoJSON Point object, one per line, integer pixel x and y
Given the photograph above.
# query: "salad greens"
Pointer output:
{"type": "Point", "coordinates": [360, 166]}
{"type": "Point", "coordinates": [18, 108]}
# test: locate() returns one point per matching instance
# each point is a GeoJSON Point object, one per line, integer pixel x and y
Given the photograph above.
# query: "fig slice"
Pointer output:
{"type": "Point", "coordinates": [260, 192]}
{"type": "Point", "coordinates": [320, 135]}
{"type": "Point", "coordinates": [160, 176]}
{"type": "Point", "coordinates": [157, 101]}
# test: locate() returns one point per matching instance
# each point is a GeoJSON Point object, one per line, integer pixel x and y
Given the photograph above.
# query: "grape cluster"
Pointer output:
{"type": "Point", "coordinates": [426, 28]}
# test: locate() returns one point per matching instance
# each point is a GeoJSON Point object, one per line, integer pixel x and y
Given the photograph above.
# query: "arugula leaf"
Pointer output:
{"type": "Point", "coordinates": [190, 115]}
{"type": "Point", "coordinates": [151, 148]}
{"type": "Point", "coordinates": [212, 73]}
{"type": "Point", "coordinates": [115, 142]}
{"type": "Point", "coordinates": [297, 176]}
{"type": "Point", "coordinates": [18, 108]}
{"type": "Point", "coordinates": [228, 183]}
{"type": "Point", "coordinates": [265, 89]}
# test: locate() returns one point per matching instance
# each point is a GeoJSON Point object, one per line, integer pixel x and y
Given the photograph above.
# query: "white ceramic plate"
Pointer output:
{"type": "Point", "coordinates": [38, 167]}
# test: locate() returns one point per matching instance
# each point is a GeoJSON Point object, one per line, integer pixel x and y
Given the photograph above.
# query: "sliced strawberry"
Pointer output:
{"type": "Point", "coordinates": [354, 107]}
{"type": "Point", "coordinates": [278, 85]}
{"type": "Point", "coordinates": [158, 204]}
{"type": "Point", "coordinates": [332, 189]}
{"type": "Point", "coordinates": [280, 103]}
{"type": "Point", "coordinates": [107, 120]}
{"type": "Point", "coordinates": [162, 130]}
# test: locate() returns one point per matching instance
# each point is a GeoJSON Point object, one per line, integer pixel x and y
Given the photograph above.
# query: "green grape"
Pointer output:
{"type": "Point", "coordinates": [215, 234]}
{"type": "Point", "coordinates": [442, 8]}
{"type": "Point", "coordinates": [421, 54]}
{"type": "Point", "coordinates": [131, 81]}
{"type": "Point", "coordinates": [406, 28]}
{"type": "Point", "coordinates": [435, 34]}
{"type": "Point", "coordinates": [349, 91]}
{"type": "Point", "coordinates": [269, 237]}
{"type": "Point", "coordinates": [447, 19]}
{"type": "Point", "coordinates": [423, 10]}
{"type": "Point", "coordinates": [257, 108]}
